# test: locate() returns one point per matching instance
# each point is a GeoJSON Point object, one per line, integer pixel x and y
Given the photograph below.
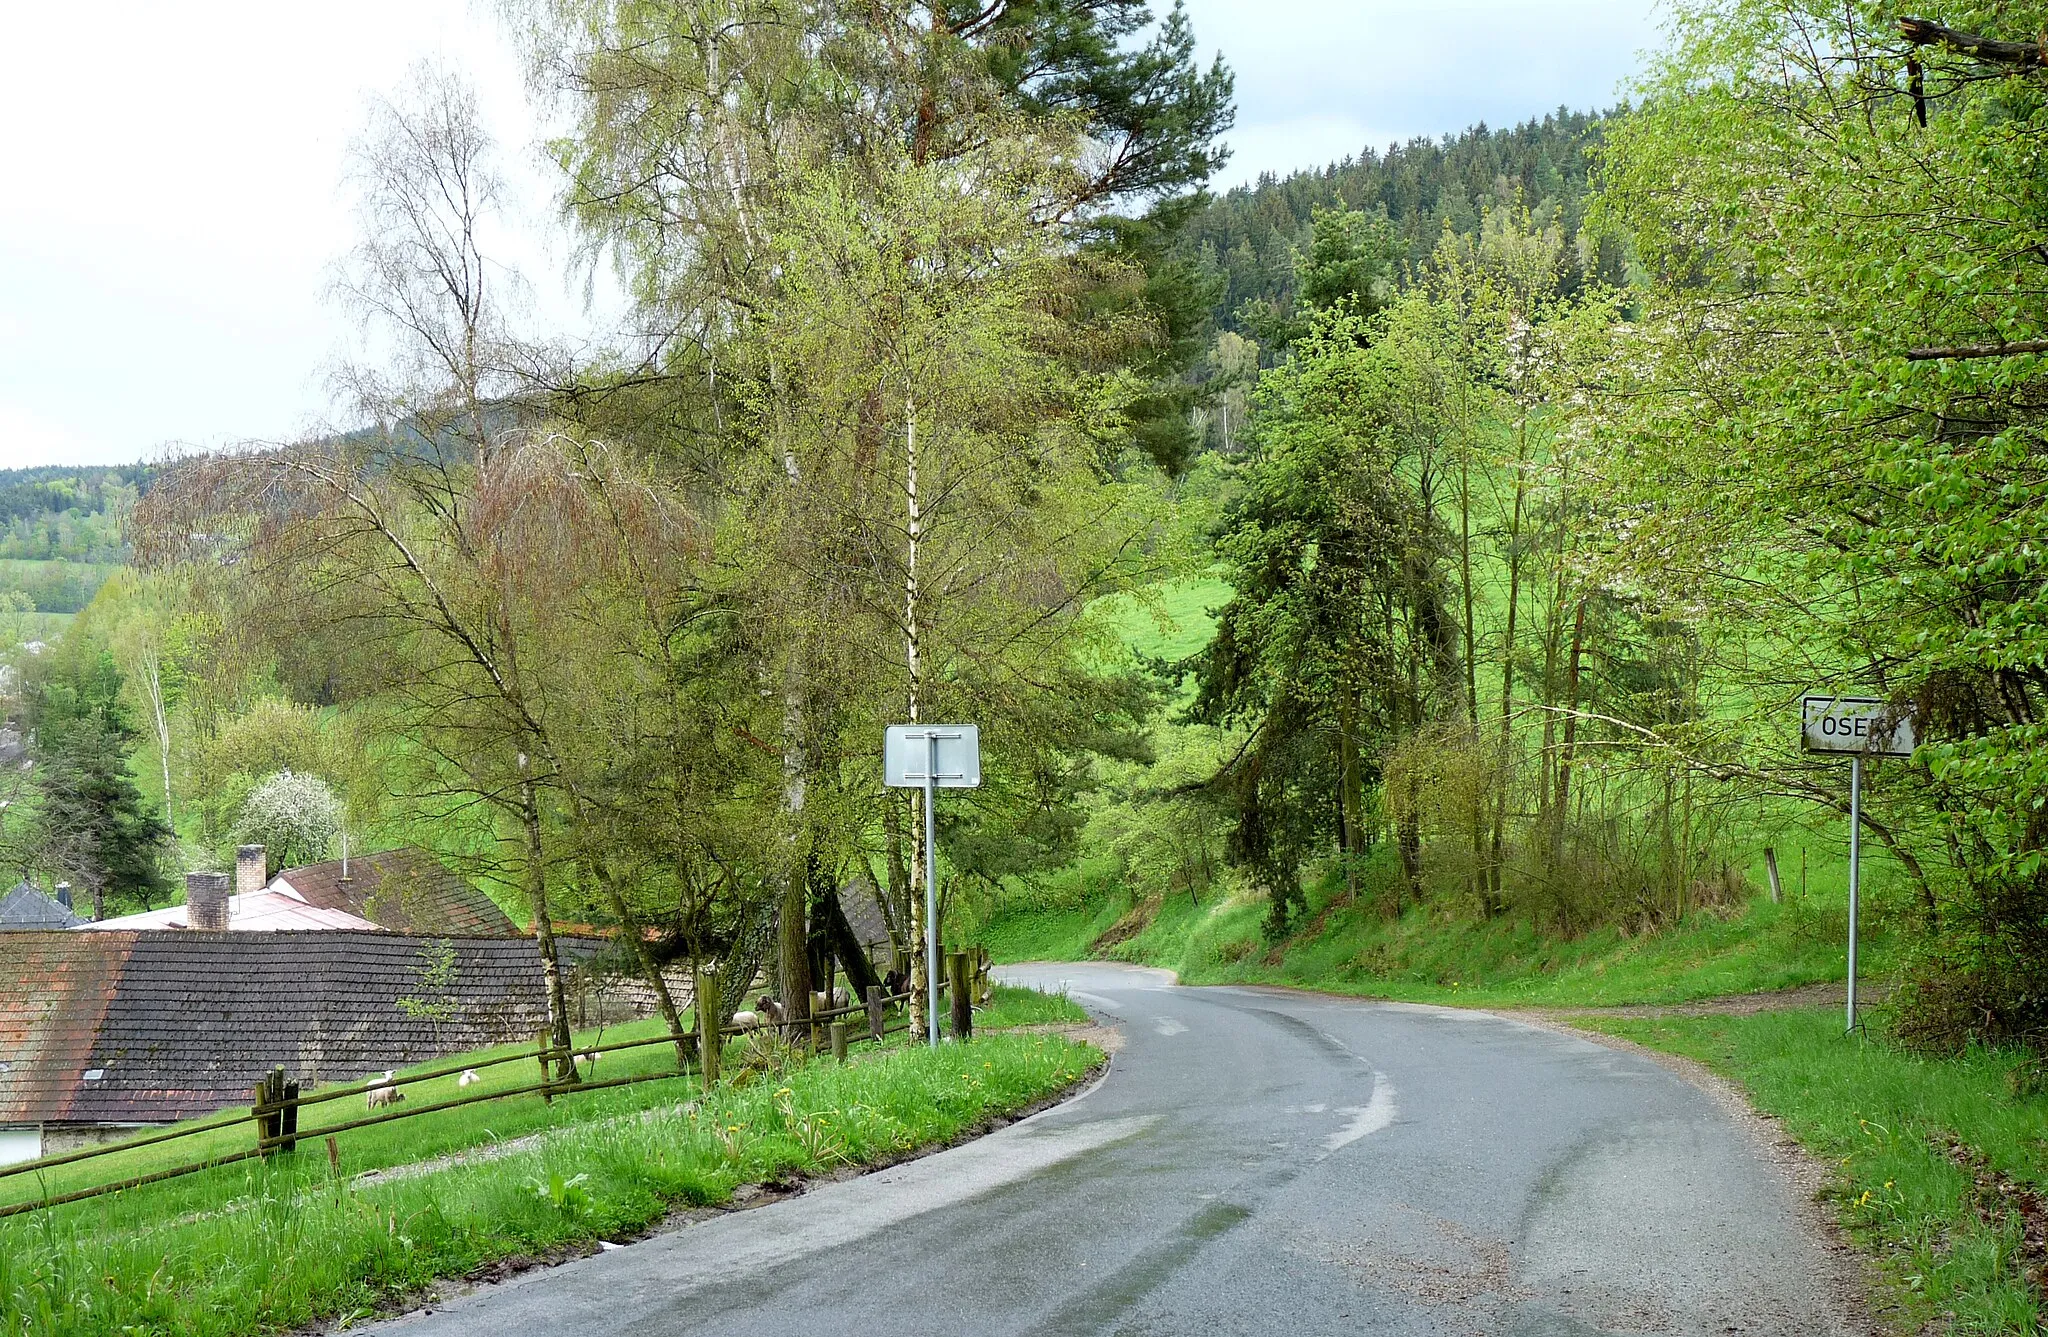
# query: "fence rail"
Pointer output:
{"type": "Point", "coordinates": [275, 1110]}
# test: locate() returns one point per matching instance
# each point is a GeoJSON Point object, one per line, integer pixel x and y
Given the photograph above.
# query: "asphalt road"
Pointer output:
{"type": "Point", "coordinates": [1257, 1162]}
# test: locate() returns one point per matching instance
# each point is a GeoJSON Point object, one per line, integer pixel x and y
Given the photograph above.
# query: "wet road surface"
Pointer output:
{"type": "Point", "coordinates": [1256, 1162]}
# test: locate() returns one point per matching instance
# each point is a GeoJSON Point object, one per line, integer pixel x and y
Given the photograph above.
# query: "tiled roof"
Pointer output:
{"type": "Point", "coordinates": [406, 891]}
{"type": "Point", "coordinates": [249, 912]}
{"type": "Point", "coordinates": [864, 913]}
{"type": "Point", "coordinates": [181, 1024]}
{"type": "Point", "coordinates": [27, 907]}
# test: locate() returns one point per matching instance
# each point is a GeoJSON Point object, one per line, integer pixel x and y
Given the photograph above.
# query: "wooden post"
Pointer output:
{"type": "Point", "coordinates": [710, 1046]}
{"type": "Point", "coordinates": [288, 1128]}
{"type": "Point", "coordinates": [960, 989]}
{"type": "Point", "coordinates": [333, 1156]}
{"type": "Point", "coordinates": [1771, 867]}
{"type": "Point", "coordinates": [875, 1017]}
{"type": "Point", "coordinates": [1802, 872]}
{"type": "Point", "coordinates": [259, 1110]}
{"type": "Point", "coordinates": [838, 1032]}
{"type": "Point", "coordinates": [544, 1039]}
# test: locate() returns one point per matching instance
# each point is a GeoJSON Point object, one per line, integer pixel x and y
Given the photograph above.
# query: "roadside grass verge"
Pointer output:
{"type": "Point", "coordinates": [1434, 954]}
{"type": "Point", "coordinates": [277, 1244]}
{"type": "Point", "coordinates": [1947, 1226]}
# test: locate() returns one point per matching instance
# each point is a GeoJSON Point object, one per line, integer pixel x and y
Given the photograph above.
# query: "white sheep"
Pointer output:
{"type": "Point", "coordinates": [382, 1091]}
{"type": "Point", "coordinates": [840, 998]}
{"type": "Point", "coordinates": [747, 1021]}
{"type": "Point", "coordinates": [468, 1078]}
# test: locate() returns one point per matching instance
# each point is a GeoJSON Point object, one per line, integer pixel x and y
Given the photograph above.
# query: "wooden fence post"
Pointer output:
{"type": "Point", "coordinates": [710, 1044]}
{"type": "Point", "coordinates": [1771, 867]}
{"type": "Point", "coordinates": [837, 1030]}
{"type": "Point", "coordinates": [544, 1039]}
{"type": "Point", "coordinates": [961, 989]}
{"type": "Point", "coordinates": [288, 1128]}
{"type": "Point", "coordinates": [259, 1110]}
{"type": "Point", "coordinates": [875, 1013]}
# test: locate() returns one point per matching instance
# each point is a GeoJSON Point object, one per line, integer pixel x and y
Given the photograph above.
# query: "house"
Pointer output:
{"type": "Point", "coordinates": [27, 907]}
{"type": "Point", "coordinates": [109, 1031]}
{"type": "Point", "coordinates": [402, 891]}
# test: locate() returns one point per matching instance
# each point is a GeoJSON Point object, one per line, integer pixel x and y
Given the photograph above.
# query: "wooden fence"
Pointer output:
{"type": "Point", "coordinates": [277, 1103]}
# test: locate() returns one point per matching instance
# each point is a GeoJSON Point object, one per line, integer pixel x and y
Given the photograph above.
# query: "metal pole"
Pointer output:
{"type": "Point", "coordinates": [931, 893]}
{"type": "Point", "coordinates": [1855, 831]}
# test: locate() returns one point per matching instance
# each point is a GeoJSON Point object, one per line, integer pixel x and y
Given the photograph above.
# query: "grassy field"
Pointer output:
{"type": "Point", "coordinates": [262, 1246]}
{"type": "Point", "coordinates": [1945, 1225]}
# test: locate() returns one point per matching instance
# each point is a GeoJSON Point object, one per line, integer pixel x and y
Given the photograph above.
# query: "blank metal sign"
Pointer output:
{"type": "Point", "coordinates": [906, 750]}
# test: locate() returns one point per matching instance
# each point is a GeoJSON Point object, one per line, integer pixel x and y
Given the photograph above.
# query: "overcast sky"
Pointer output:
{"type": "Point", "coordinates": [174, 198]}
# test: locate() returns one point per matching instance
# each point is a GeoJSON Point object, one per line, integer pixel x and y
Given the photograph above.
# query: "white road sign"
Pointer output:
{"type": "Point", "coordinates": [907, 752]}
{"type": "Point", "coordinates": [1859, 724]}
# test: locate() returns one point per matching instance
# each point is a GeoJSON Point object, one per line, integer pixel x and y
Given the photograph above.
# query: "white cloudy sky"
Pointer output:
{"type": "Point", "coordinates": [174, 197]}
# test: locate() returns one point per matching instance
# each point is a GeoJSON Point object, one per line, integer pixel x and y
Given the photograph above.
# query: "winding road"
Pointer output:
{"type": "Point", "coordinates": [1258, 1161]}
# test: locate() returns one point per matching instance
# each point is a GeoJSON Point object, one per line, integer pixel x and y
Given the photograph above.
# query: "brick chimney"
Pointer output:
{"type": "Point", "coordinates": [206, 901]}
{"type": "Point", "coordinates": [252, 869]}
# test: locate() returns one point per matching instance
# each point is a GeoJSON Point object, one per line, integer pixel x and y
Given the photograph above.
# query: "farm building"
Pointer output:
{"type": "Point", "coordinates": [112, 1030]}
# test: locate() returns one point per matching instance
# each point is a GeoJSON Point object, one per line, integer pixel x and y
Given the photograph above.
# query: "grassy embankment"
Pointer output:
{"type": "Point", "coordinates": [262, 1246]}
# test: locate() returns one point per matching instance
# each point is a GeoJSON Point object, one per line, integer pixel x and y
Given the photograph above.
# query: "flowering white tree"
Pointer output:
{"type": "Point", "coordinates": [296, 817]}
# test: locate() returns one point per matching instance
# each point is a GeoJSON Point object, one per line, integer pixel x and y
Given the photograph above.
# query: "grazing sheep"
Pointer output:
{"type": "Point", "coordinates": [587, 1059]}
{"type": "Point", "coordinates": [747, 1021]}
{"type": "Point", "coordinates": [468, 1078]}
{"type": "Point", "coordinates": [382, 1092]}
{"type": "Point", "coordinates": [773, 1011]}
{"type": "Point", "coordinates": [840, 998]}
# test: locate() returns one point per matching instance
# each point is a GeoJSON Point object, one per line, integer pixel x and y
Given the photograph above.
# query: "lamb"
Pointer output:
{"type": "Point", "coordinates": [747, 1021]}
{"type": "Point", "coordinates": [840, 998]}
{"type": "Point", "coordinates": [382, 1091]}
{"type": "Point", "coordinates": [772, 1012]}
{"type": "Point", "coordinates": [468, 1078]}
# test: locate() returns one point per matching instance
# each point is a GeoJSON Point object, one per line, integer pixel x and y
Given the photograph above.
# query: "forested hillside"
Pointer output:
{"type": "Point", "coordinates": [58, 513]}
{"type": "Point", "coordinates": [62, 531]}
{"type": "Point", "coordinates": [1248, 236]}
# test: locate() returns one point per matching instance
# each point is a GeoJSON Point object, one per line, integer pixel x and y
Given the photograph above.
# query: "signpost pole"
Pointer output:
{"type": "Point", "coordinates": [931, 892]}
{"type": "Point", "coordinates": [1855, 835]}
{"type": "Point", "coordinates": [1859, 727]}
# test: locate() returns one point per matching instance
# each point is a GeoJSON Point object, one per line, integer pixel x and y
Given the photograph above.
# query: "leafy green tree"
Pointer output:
{"type": "Point", "coordinates": [1339, 635]}
{"type": "Point", "coordinates": [1837, 432]}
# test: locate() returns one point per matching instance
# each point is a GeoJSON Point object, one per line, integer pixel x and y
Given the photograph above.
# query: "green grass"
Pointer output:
{"type": "Point", "coordinates": [1170, 620]}
{"type": "Point", "coordinates": [1439, 953]}
{"type": "Point", "coordinates": [257, 1246]}
{"type": "Point", "coordinates": [1880, 1117]}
